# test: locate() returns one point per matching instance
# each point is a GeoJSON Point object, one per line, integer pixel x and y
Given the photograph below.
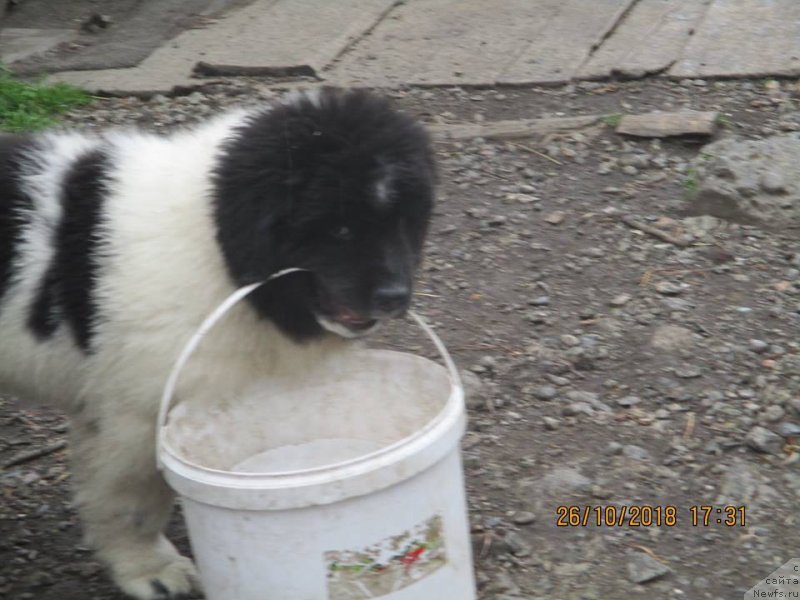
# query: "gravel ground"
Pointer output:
{"type": "Point", "coordinates": [607, 367]}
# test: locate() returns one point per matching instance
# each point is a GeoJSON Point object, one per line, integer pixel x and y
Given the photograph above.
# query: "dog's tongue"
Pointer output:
{"type": "Point", "coordinates": [350, 317]}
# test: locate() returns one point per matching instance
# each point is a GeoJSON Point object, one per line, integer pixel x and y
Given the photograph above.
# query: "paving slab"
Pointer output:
{"type": "Point", "coordinates": [566, 41]}
{"type": "Point", "coordinates": [649, 40]}
{"type": "Point", "coordinates": [290, 35]}
{"type": "Point", "coordinates": [744, 38]}
{"type": "Point", "coordinates": [267, 37]}
{"type": "Point", "coordinates": [511, 129]}
{"type": "Point", "coordinates": [18, 43]}
{"type": "Point", "coordinates": [669, 124]}
{"type": "Point", "coordinates": [135, 30]}
{"type": "Point", "coordinates": [444, 42]}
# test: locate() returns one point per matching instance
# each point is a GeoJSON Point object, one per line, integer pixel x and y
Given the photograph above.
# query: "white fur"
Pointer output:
{"type": "Point", "coordinates": [160, 275]}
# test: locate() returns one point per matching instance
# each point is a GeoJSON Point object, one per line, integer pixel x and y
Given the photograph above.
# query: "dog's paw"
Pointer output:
{"type": "Point", "coordinates": [175, 580]}
{"type": "Point", "coordinates": [158, 573]}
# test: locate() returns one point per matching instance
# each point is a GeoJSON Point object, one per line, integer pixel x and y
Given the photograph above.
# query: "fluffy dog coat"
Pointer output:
{"type": "Point", "coordinates": [114, 248]}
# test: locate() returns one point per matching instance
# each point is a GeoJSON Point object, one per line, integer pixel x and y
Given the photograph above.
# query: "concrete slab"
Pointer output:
{"type": "Point", "coordinates": [648, 41]}
{"type": "Point", "coordinates": [669, 124]}
{"type": "Point", "coordinates": [443, 42]}
{"type": "Point", "coordinates": [134, 81]}
{"type": "Point", "coordinates": [267, 37]}
{"type": "Point", "coordinates": [137, 28]}
{"type": "Point", "coordinates": [744, 38]}
{"type": "Point", "coordinates": [18, 43]}
{"type": "Point", "coordinates": [300, 36]}
{"type": "Point", "coordinates": [512, 129]}
{"type": "Point", "coordinates": [566, 41]}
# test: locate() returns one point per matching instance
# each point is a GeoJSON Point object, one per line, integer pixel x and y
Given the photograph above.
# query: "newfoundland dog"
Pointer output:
{"type": "Point", "coordinates": [113, 248]}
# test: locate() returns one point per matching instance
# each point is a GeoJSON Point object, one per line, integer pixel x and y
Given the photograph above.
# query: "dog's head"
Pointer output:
{"type": "Point", "coordinates": [336, 182]}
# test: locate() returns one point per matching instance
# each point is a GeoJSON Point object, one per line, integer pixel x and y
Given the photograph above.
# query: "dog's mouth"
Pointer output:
{"type": "Point", "coordinates": [346, 322]}
{"type": "Point", "coordinates": [343, 320]}
{"type": "Point", "coordinates": [353, 320]}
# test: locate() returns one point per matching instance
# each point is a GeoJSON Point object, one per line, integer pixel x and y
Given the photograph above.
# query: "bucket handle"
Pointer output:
{"type": "Point", "coordinates": [220, 311]}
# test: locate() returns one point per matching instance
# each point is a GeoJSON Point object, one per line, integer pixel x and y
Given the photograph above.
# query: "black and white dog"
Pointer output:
{"type": "Point", "coordinates": [114, 248]}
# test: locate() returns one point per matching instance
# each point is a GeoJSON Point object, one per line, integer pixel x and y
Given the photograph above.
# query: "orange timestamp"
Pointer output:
{"type": "Point", "coordinates": [646, 515]}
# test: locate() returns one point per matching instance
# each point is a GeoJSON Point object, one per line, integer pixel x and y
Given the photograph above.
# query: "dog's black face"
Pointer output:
{"type": "Point", "coordinates": [339, 184]}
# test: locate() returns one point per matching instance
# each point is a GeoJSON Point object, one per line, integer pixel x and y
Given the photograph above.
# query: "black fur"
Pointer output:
{"type": "Point", "coordinates": [65, 294]}
{"type": "Point", "coordinates": [296, 187]}
{"type": "Point", "coordinates": [13, 204]}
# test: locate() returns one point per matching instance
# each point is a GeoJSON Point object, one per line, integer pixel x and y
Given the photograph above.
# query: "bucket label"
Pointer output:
{"type": "Point", "coordinates": [387, 566]}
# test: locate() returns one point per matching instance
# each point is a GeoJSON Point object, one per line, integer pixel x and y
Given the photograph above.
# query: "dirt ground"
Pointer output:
{"type": "Point", "coordinates": [607, 367]}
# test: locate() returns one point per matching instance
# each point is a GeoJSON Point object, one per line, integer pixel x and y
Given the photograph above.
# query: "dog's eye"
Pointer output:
{"type": "Point", "coordinates": [342, 233]}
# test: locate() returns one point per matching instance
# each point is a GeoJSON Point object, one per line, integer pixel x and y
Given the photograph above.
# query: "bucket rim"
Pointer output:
{"type": "Point", "coordinates": [451, 412]}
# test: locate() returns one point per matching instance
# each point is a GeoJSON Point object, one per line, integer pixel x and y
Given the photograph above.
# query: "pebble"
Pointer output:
{"type": "Point", "coordinates": [545, 392]}
{"type": "Point", "coordinates": [763, 440]}
{"type": "Point", "coordinates": [758, 346]}
{"type": "Point", "coordinates": [524, 517]}
{"type": "Point", "coordinates": [555, 218]}
{"type": "Point", "coordinates": [577, 408]}
{"type": "Point", "coordinates": [773, 182]}
{"type": "Point", "coordinates": [551, 423]}
{"type": "Point", "coordinates": [668, 288]}
{"type": "Point", "coordinates": [643, 568]}
{"type": "Point", "coordinates": [620, 300]}
{"type": "Point", "coordinates": [789, 430]}
{"type": "Point", "coordinates": [635, 452]}
{"type": "Point", "coordinates": [628, 401]}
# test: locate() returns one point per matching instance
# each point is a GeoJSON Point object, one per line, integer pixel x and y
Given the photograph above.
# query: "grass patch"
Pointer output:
{"type": "Point", "coordinates": [724, 121]}
{"type": "Point", "coordinates": [30, 106]}
{"type": "Point", "coordinates": [612, 120]}
{"type": "Point", "coordinates": [690, 183]}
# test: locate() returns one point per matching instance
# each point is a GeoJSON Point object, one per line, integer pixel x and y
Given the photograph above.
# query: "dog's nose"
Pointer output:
{"type": "Point", "coordinates": [391, 299]}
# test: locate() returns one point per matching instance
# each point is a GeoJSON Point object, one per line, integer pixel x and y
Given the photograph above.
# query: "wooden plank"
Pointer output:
{"type": "Point", "coordinates": [648, 41]}
{"type": "Point", "coordinates": [566, 41]}
{"type": "Point", "coordinates": [444, 42]}
{"type": "Point", "coordinates": [744, 38]}
{"type": "Point", "coordinates": [669, 124]}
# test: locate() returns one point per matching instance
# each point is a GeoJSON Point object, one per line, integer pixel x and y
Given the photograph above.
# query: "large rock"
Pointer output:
{"type": "Point", "coordinates": [748, 181]}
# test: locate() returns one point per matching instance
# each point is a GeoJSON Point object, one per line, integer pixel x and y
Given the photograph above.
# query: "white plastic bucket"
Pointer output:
{"type": "Point", "coordinates": [354, 488]}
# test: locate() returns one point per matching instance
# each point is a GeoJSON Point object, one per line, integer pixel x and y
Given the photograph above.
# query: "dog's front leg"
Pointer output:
{"type": "Point", "coordinates": [125, 504]}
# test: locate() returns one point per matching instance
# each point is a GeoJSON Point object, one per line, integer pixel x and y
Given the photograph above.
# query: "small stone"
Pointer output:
{"type": "Point", "coordinates": [614, 448]}
{"type": "Point", "coordinates": [517, 545]}
{"type": "Point", "coordinates": [689, 372]}
{"type": "Point", "coordinates": [578, 408]}
{"type": "Point", "coordinates": [630, 170]}
{"type": "Point", "coordinates": [643, 568]}
{"type": "Point", "coordinates": [789, 430]}
{"type": "Point", "coordinates": [555, 218]}
{"type": "Point", "coordinates": [635, 452]}
{"type": "Point", "coordinates": [550, 423]}
{"type": "Point", "coordinates": [620, 300]}
{"type": "Point", "coordinates": [540, 301]}
{"type": "Point", "coordinates": [545, 392]}
{"type": "Point", "coordinates": [570, 340]}
{"type": "Point", "coordinates": [628, 401]}
{"type": "Point", "coordinates": [668, 288]}
{"type": "Point", "coordinates": [758, 346]}
{"type": "Point", "coordinates": [524, 517]}
{"type": "Point", "coordinates": [773, 413]}
{"type": "Point", "coordinates": [773, 183]}
{"type": "Point", "coordinates": [763, 440]}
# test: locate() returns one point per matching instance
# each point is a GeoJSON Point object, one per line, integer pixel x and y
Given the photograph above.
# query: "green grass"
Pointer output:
{"type": "Point", "coordinates": [30, 106]}
{"type": "Point", "coordinates": [612, 120]}
{"type": "Point", "coordinates": [690, 183]}
{"type": "Point", "coordinates": [724, 121]}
